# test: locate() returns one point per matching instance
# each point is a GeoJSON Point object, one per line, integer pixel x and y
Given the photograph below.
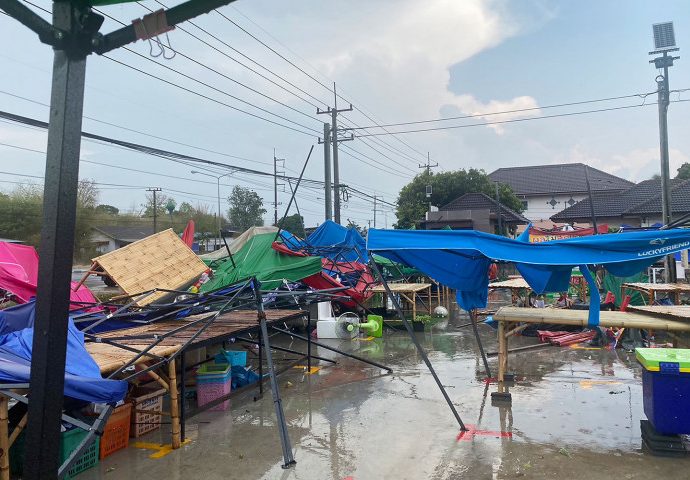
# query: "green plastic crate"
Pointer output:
{"type": "Point", "coordinates": [69, 441]}
{"type": "Point", "coordinates": [651, 358]}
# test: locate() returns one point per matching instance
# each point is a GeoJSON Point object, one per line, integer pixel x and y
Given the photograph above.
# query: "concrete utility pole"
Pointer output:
{"type": "Point", "coordinates": [428, 168]}
{"type": "Point", "coordinates": [155, 207]}
{"type": "Point", "coordinates": [499, 213]}
{"type": "Point", "coordinates": [275, 185]}
{"type": "Point", "coordinates": [591, 201]}
{"type": "Point", "coordinates": [327, 170]}
{"type": "Point", "coordinates": [335, 140]}
{"type": "Point", "coordinates": [664, 42]}
{"type": "Point", "coordinates": [376, 197]}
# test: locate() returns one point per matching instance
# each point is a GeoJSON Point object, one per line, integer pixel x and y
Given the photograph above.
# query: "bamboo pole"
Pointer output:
{"type": "Point", "coordinates": [502, 356]}
{"type": "Point", "coordinates": [160, 380]}
{"type": "Point", "coordinates": [174, 406]}
{"type": "Point", "coordinates": [18, 429]}
{"type": "Point", "coordinates": [4, 440]}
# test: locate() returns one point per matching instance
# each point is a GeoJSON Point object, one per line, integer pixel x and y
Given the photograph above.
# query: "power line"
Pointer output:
{"type": "Point", "coordinates": [209, 98]}
{"type": "Point", "coordinates": [244, 56]}
{"type": "Point", "coordinates": [516, 120]}
{"type": "Point", "coordinates": [517, 110]}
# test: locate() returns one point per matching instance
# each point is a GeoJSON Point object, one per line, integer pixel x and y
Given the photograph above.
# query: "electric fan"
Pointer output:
{"type": "Point", "coordinates": [348, 325]}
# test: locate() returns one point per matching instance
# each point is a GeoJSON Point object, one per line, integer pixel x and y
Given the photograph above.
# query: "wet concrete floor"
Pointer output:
{"type": "Point", "coordinates": [575, 414]}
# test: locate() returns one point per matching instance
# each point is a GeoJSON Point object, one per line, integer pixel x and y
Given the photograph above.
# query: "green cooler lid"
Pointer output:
{"type": "Point", "coordinates": [651, 357]}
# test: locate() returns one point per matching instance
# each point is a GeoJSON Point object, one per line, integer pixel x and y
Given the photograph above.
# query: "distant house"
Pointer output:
{"type": "Point", "coordinates": [546, 190]}
{"type": "Point", "coordinates": [638, 206]}
{"type": "Point", "coordinates": [109, 238]}
{"type": "Point", "coordinates": [472, 211]}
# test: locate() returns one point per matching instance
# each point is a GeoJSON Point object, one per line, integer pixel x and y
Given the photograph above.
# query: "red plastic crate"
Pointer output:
{"type": "Point", "coordinates": [116, 432]}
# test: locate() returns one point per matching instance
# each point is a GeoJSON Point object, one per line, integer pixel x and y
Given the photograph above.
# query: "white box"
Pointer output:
{"type": "Point", "coordinates": [326, 328]}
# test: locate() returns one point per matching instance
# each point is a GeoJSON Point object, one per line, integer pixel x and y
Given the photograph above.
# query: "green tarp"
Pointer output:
{"type": "Point", "coordinates": [258, 259]}
{"type": "Point", "coordinates": [395, 270]}
{"type": "Point", "coordinates": [613, 284]}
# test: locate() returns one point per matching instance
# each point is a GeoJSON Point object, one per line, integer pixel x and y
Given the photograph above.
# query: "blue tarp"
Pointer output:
{"type": "Point", "coordinates": [338, 243]}
{"type": "Point", "coordinates": [460, 259]}
{"type": "Point", "coordinates": [82, 376]}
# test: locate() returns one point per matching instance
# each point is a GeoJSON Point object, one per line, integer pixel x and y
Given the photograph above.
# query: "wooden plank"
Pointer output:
{"type": "Point", "coordinates": [510, 283]}
{"type": "Point", "coordinates": [580, 317]}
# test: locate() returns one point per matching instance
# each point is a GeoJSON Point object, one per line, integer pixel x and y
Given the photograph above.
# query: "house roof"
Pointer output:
{"type": "Point", "coordinates": [557, 178]}
{"type": "Point", "coordinates": [125, 234]}
{"type": "Point", "coordinates": [639, 200]}
{"type": "Point", "coordinates": [481, 201]}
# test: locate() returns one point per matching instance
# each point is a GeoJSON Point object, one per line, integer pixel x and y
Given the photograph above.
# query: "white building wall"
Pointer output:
{"type": "Point", "coordinates": [104, 244]}
{"type": "Point", "coordinates": [539, 209]}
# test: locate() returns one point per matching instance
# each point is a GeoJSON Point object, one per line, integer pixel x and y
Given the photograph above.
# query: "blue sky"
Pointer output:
{"type": "Point", "coordinates": [399, 60]}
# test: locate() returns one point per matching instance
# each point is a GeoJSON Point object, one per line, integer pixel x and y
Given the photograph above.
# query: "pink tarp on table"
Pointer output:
{"type": "Point", "coordinates": [19, 274]}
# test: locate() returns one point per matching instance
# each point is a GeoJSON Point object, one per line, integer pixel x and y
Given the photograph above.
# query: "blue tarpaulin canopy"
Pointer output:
{"type": "Point", "coordinates": [83, 379]}
{"type": "Point", "coordinates": [460, 259]}
{"type": "Point", "coordinates": [338, 243]}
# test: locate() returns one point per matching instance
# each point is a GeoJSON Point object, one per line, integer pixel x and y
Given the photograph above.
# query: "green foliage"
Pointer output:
{"type": "Point", "coordinates": [447, 186]}
{"type": "Point", "coordinates": [684, 171]}
{"type": "Point", "coordinates": [107, 209]}
{"type": "Point", "coordinates": [246, 208]}
{"type": "Point", "coordinates": [293, 224]}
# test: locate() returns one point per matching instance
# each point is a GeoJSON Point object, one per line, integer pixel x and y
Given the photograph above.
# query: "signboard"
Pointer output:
{"type": "Point", "coordinates": [539, 235]}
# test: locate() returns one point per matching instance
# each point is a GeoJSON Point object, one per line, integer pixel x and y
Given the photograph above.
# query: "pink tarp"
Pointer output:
{"type": "Point", "coordinates": [19, 275]}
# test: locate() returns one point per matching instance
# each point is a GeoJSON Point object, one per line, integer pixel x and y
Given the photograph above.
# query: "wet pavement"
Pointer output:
{"type": "Point", "coordinates": [575, 414]}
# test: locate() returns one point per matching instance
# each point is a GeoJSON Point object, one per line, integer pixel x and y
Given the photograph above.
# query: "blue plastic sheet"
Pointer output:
{"type": "Point", "coordinates": [460, 258]}
{"type": "Point", "coordinates": [338, 243]}
{"type": "Point", "coordinates": [82, 376]}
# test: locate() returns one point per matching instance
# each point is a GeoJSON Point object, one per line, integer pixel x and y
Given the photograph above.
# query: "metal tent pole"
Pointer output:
{"type": "Point", "coordinates": [473, 317]}
{"type": "Point", "coordinates": [288, 459]}
{"type": "Point", "coordinates": [419, 347]}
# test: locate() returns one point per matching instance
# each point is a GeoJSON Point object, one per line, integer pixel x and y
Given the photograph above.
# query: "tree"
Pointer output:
{"type": "Point", "coordinates": [447, 186]}
{"type": "Point", "coordinates": [246, 208]}
{"type": "Point", "coordinates": [161, 201]}
{"type": "Point", "coordinates": [362, 230]}
{"type": "Point", "coordinates": [684, 171]}
{"type": "Point", "coordinates": [293, 224]}
{"type": "Point", "coordinates": [107, 209]}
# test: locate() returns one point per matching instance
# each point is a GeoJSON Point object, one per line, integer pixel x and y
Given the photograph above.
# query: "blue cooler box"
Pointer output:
{"type": "Point", "coordinates": [666, 388]}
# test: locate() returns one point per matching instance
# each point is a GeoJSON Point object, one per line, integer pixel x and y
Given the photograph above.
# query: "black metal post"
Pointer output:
{"type": "Point", "coordinates": [309, 343]}
{"type": "Point", "coordinates": [418, 345]}
{"type": "Point", "coordinates": [56, 248]}
{"type": "Point", "coordinates": [473, 317]}
{"type": "Point", "coordinates": [261, 364]}
{"type": "Point", "coordinates": [591, 201]}
{"type": "Point", "coordinates": [288, 459]}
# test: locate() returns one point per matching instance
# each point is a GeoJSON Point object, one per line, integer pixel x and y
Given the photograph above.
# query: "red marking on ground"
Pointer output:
{"type": "Point", "coordinates": [349, 478]}
{"type": "Point", "coordinates": [490, 380]}
{"type": "Point", "coordinates": [471, 432]}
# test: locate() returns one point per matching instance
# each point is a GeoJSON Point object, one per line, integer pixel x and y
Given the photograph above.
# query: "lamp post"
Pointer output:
{"type": "Point", "coordinates": [664, 43]}
{"type": "Point", "coordinates": [217, 177]}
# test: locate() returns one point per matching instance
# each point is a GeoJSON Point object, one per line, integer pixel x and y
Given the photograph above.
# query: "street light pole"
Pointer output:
{"type": "Point", "coordinates": [217, 177]}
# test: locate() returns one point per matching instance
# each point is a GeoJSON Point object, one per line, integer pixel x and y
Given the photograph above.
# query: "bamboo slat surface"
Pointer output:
{"type": "Point", "coordinates": [658, 287]}
{"type": "Point", "coordinates": [579, 317]}
{"type": "Point", "coordinates": [401, 287]}
{"type": "Point", "coordinates": [110, 357]}
{"type": "Point", "coordinates": [673, 312]}
{"type": "Point", "coordinates": [511, 283]}
{"type": "Point", "coordinates": [161, 260]}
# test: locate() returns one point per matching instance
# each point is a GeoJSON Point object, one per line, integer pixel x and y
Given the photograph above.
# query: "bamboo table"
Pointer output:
{"type": "Point", "coordinates": [506, 315]}
{"type": "Point", "coordinates": [651, 289]}
{"type": "Point", "coordinates": [407, 291]}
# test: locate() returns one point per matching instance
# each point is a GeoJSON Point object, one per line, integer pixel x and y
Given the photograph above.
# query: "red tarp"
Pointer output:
{"type": "Point", "coordinates": [322, 280]}
{"type": "Point", "coordinates": [188, 234]}
{"type": "Point", "coordinates": [19, 275]}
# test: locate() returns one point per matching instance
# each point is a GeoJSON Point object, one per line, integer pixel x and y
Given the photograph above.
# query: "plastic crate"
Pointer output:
{"type": "Point", "coordinates": [69, 441]}
{"type": "Point", "coordinates": [147, 404]}
{"type": "Point", "coordinates": [208, 392]}
{"type": "Point", "coordinates": [233, 357]}
{"type": "Point", "coordinates": [666, 388]}
{"type": "Point", "coordinates": [212, 382]}
{"type": "Point", "coordinates": [116, 432]}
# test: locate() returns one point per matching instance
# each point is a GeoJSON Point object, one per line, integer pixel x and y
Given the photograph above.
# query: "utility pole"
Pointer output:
{"type": "Point", "coordinates": [155, 207]}
{"type": "Point", "coordinates": [376, 197]}
{"type": "Point", "coordinates": [428, 168]}
{"type": "Point", "coordinates": [664, 42]}
{"type": "Point", "coordinates": [335, 140]}
{"type": "Point", "coordinates": [276, 184]}
{"type": "Point", "coordinates": [499, 213]}
{"type": "Point", "coordinates": [327, 170]}
{"type": "Point", "coordinates": [591, 201]}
